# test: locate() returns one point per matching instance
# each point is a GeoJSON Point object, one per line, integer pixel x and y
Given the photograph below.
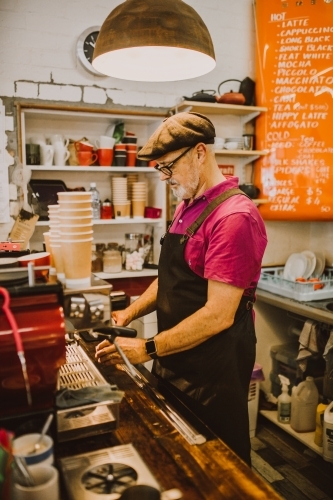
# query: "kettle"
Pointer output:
{"type": "Point", "coordinates": [230, 97]}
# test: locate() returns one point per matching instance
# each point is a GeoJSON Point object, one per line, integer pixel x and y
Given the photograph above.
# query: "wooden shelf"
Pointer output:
{"type": "Point", "coordinates": [127, 274]}
{"type": "Point", "coordinates": [240, 152]}
{"type": "Point", "coordinates": [100, 222]}
{"type": "Point", "coordinates": [307, 438]}
{"type": "Point", "coordinates": [101, 170]}
{"type": "Point", "coordinates": [218, 109]}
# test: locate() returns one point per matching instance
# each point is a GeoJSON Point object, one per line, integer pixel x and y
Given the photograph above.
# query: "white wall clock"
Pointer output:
{"type": "Point", "coordinates": [85, 48]}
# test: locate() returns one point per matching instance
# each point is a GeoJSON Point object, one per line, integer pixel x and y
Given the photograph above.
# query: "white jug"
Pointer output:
{"type": "Point", "coordinates": [304, 402]}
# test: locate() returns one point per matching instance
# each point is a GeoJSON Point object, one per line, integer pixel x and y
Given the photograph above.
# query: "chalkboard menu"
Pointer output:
{"type": "Point", "coordinates": [295, 81]}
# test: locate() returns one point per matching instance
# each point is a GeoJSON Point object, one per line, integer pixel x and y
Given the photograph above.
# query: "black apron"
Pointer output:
{"type": "Point", "coordinates": [213, 378]}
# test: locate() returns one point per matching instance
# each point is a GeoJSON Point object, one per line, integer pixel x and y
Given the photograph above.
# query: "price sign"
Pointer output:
{"type": "Point", "coordinates": [295, 81]}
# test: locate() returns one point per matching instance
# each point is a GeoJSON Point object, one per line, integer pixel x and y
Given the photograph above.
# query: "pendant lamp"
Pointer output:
{"type": "Point", "coordinates": [154, 41]}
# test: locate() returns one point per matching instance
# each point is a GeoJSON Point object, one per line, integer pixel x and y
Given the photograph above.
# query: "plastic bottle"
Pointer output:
{"type": "Point", "coordinates": [95, 201]}
{"type": "Point", "coordinates": [304, 402]}
{"type": "Point", "coordinates": [318, 438]}
{"type": "Point", "coordinates": [328, 434]}
{"type": "Point", "coordinates": [284, 402]}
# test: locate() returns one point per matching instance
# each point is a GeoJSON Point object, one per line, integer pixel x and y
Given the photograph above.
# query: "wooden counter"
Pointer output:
{"type": "Point", "coordinates": [207, 471]}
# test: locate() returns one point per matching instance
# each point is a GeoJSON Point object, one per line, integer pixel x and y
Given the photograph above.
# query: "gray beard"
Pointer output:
{"type": "Point", "coordinates": [188, 191]}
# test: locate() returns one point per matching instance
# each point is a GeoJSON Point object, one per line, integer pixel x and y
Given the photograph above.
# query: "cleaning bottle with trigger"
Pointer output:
{"type": "Point", "coordinates": [284, 401]}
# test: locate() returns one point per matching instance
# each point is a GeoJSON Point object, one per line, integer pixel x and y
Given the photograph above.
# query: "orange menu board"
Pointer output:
{"type": "Point", "coordinates": [294, 66]}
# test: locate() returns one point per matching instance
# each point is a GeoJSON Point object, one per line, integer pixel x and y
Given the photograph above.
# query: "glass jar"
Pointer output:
{"type": "Point", "coordinates": [134, 252]}
{"type": "Point", "coordinates": [112, 261]}
{"type": "Point", "coordinates": [96, 260]}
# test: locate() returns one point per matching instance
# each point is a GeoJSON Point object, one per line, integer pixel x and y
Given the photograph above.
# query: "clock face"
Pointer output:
{"type": "Point", "coordinates": [85, 48]}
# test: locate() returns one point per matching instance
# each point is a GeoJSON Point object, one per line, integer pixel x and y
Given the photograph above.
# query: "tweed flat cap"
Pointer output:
{"type": "Point", "coordinates": [176, 132]}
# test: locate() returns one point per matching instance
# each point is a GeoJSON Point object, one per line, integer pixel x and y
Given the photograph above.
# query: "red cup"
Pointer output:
{"type": "Point", "coordinates": [86, 158]}
{"type": "Point", "coordinates": [120, 147]}
{"type": "Point", "coordinates": [83, 146]}
{"type": "Point", "coordinates": [105, 157]}
{"type": "Point", "coordinates": [152, 163]}
{"type": "Point", "coordinates": [131, 158]}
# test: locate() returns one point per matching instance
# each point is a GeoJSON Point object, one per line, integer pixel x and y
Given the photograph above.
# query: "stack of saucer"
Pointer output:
{"type": "Point", "coordinates": [139, 198]}
{"type": "Point", "coordinates": [234, 143]}
{"type": "Point", "coordinates": [121, 203]}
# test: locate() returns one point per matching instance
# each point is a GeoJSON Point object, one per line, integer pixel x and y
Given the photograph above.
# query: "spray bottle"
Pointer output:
{"type": "Point", "coordinates": [284, 401]}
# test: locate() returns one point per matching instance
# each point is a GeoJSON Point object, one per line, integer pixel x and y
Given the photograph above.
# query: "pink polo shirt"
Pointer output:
{"type": "Point", "coordinates": [230, 244]}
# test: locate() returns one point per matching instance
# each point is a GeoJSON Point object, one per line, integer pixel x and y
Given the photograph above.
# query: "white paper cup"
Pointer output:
{"type": "Point", "coordinates": [74, 196]}
{"type": "Point", "coordinates": [76, 236]}
{"type": "Point", "coordinates": [23, 444]}
{"type": "Point", "coordinates": [138, 208]}
{"type": "Point", "coordinates": [70, 205]}
{"type": "Point", "coordinates": [57, 257]}
{"type": "Point", "coordinates": [75, 212]}
{"type": "Point", "coordinates": [75, 219]}
{"type": "Point", "coordinates": [46, 487]}
{"type": "Point", "coordinates": [75, 228]}
{"type": "Point", "coordinates": [77, 261]}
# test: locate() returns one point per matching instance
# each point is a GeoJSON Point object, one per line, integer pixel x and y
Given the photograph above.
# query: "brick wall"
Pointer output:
{"type": "Point", "coordinates": [38, 60]}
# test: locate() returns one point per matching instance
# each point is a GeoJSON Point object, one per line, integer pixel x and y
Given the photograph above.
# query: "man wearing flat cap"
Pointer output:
{"type": "Point", "coordinates": [209, 266]}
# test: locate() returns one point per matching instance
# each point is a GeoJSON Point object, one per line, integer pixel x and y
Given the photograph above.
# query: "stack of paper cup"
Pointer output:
{"type": "Point", "coordinates": [131, 178]}
{"type": "Point", "coordinates": [121, 203]}
{"type": "Point", "coordinates": [139, 195]}
{"type": "Point", "coordinates": [54, 242]}
{"type": "Point", "coordinates": [76, 236]}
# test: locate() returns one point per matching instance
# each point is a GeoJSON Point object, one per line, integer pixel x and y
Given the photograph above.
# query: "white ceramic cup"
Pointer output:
{"type": "Point", "coordinates": [105, 142]}
{"type": "Point", "coordinates": [46, 154]}
{"type": "Point", "coordinates": [61, 154]}
{"type": "Point", "coordinates": [25, 443]}
{"type": "Point", "coordinates": [46, 478]}
{"type": "Point", "coordinates": [59, 139]}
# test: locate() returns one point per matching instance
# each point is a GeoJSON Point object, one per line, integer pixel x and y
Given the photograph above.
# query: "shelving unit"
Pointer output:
{"type": "Point", "coordinates": [75, 124]}
{"type": "Point", "coordinates": [307, 438]}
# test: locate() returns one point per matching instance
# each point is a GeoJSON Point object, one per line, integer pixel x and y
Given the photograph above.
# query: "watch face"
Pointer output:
{"type": "Point", "coordinates": [85, 48]}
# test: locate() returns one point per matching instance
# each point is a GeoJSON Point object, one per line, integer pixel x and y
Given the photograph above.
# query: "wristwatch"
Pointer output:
{"type": "Point", "coordinates": [151, 348]}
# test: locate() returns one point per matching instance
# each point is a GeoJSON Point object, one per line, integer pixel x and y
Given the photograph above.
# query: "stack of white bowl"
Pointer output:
{"type": "Point", "coordinates": [76, 236]}
{"type": "Point", "coordinates": [121, 203]}
{"type": "Point", "coordinates": [234, 143]}
{"type": "Point", "coordinates": [139, 199]}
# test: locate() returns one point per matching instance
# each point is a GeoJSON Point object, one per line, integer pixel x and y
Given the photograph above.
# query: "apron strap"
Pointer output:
{"type": "Point", "coordinates": [193, 228]}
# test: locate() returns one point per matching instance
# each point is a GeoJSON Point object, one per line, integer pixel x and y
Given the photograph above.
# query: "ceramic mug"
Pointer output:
{"type": "Point", "coordinates": [59, 139]}
{"type": "Point", "coordinates": [61, 155]}
{"type": "Point", "coordinates": [46, 478]}
{"type": "Point", "coordinates": [46, 154]}
{"type": "Point", "coordinates": [83, 146]}
{"type": "Point", "coordinates": [105, 142]}
{"type": "Point", "coordinates": [86, 158]}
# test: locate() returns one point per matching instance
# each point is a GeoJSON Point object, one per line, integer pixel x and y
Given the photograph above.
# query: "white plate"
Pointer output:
{"type": "Point", "coordinates": [320, 265]}
{"type": "Point", "coordinates": [295, 266]}
{"type": "Point", "coordinates": [311, 263]}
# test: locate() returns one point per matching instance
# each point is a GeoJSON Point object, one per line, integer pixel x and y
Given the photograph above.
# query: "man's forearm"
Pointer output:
{"type": "Point", "coordinates": [144, 304]}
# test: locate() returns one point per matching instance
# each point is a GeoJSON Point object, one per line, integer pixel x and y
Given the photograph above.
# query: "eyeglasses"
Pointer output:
{"type": "Point", "coordinates": [166, 169]}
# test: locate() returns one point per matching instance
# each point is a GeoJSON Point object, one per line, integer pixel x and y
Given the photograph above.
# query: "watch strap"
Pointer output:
{"type": "Point", "coordinates": [151, 348]}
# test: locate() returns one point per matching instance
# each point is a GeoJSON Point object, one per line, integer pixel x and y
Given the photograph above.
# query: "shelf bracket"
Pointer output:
{"type": "Point", "coordinates": [247, 118]}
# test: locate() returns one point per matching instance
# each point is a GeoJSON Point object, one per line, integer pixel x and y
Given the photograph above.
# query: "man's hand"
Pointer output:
{"type": "Point", "coordinates": [134, 349]}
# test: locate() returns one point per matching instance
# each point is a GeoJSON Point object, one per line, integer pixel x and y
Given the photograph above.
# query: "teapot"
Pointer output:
{"type": "Point", "coordinates": [230, 97]}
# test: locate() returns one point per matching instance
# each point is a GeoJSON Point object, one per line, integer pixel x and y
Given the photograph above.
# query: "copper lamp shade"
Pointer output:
{"type": "Point", "coordinates": [154, 41]}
